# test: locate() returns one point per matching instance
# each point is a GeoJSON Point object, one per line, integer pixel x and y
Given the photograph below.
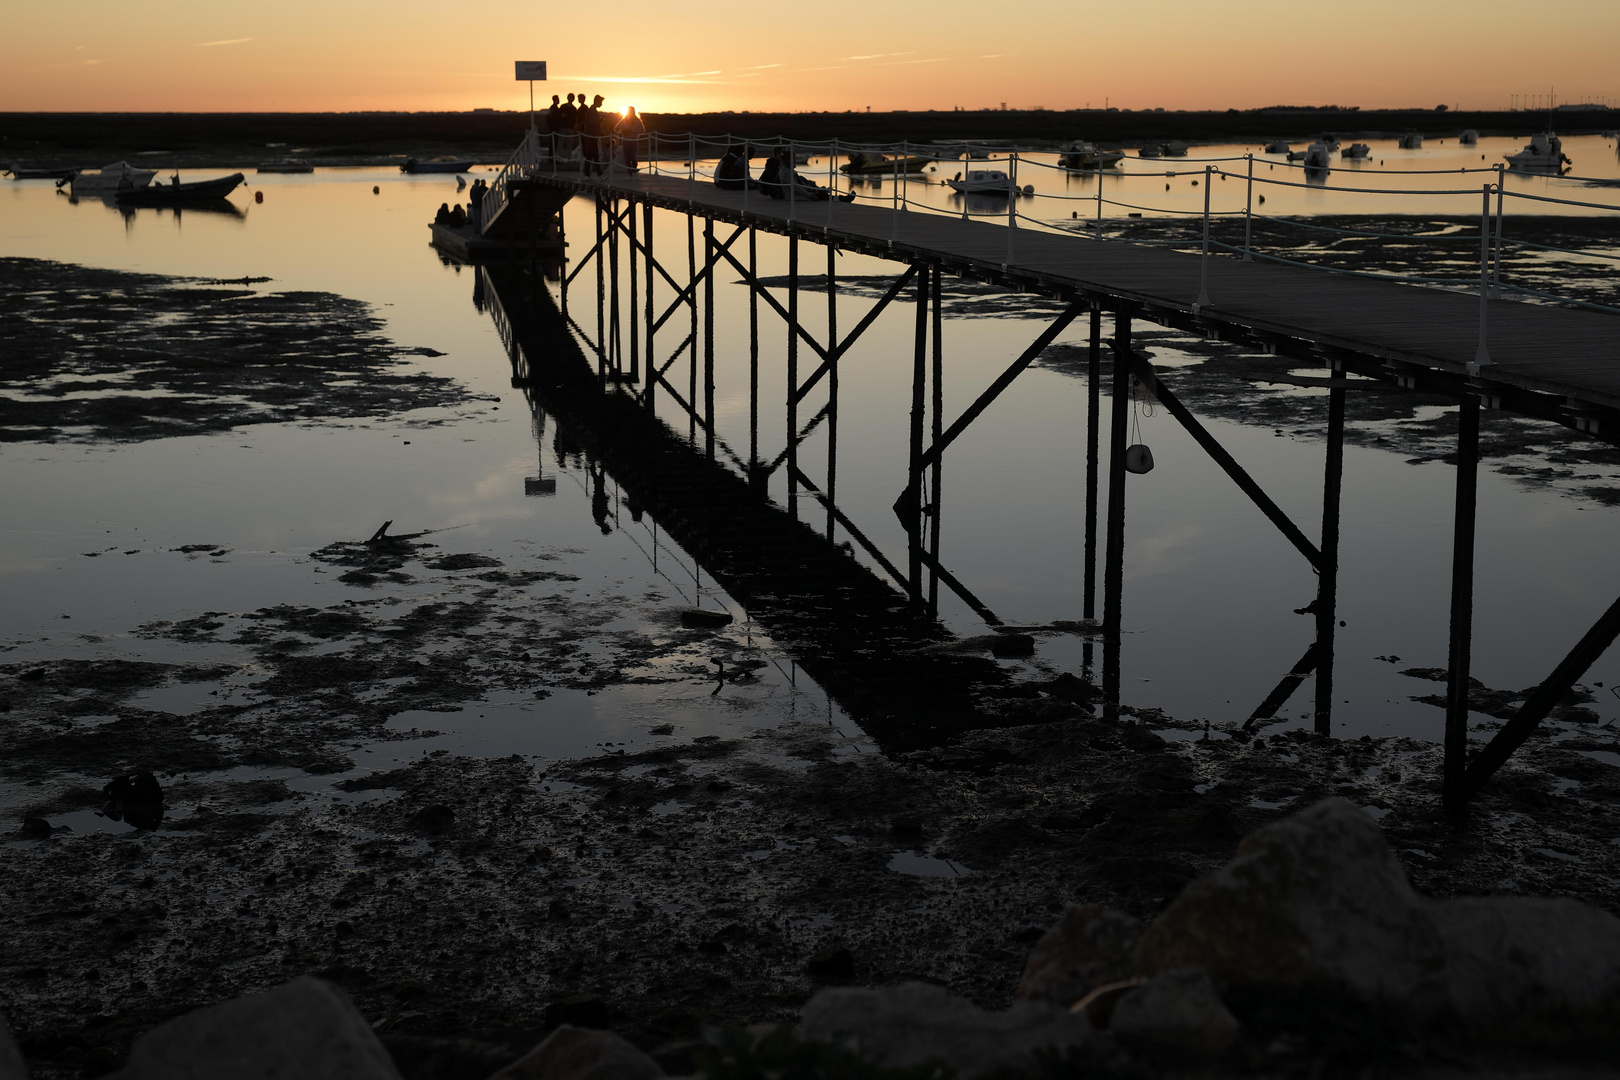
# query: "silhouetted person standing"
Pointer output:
{"type": "Point", "coordinates": [629, 130]}
{"type": "Point", "coordinates": [553, 119]}
{"type": "Point", "coordinates": [567, 124]}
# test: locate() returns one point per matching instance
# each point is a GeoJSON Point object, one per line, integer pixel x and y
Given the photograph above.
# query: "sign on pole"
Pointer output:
{"type": "Point", "coordinates": [531, 71]}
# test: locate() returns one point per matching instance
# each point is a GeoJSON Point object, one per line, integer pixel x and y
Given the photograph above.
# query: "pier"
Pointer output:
{"type": "Point", "coordinates": [1554, 363]}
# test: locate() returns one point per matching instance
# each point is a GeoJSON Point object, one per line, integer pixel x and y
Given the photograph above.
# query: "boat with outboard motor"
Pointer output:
{"type": "Point", "coordinates": [20, 171]}
{"type": "Point", "coordinates": [1469, 137]}
{"type": "Point", "coordinates": [117, 176]}
{"type": "Point", "coordinates": [861, 163]}
{"type": "Point", "coordinates": [437, 165]}
{"type": "Point", "coordinates": [1411, 141]}
{"type": "Point", "coordinates": [175, 193]}
{"type": "Point", "coordinates": [286, 165]}
{"type": "Point", "coordinates": [1543, 153]}
{"type": "Point", "coordinates": [1088, 156]}
{"type": "Point", "coordinates": [986, 182]}
{"type": "Point", "coordinates": [1176, 148]}
{"type": "Point", "coordinates": [1356, 151]}
{"type": "Point", "coordinates": [1151, 150]}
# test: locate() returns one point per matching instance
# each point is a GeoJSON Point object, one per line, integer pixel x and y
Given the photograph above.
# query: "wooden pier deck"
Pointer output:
{"type": "Point", "coordinates": [1559, 363]}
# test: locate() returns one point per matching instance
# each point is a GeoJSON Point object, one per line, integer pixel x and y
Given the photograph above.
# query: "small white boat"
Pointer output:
{"type": "Point", "coordinates": [1356, 151]}
{"type": "Point", "coordinates": [981, 181]}
{"type": "Point", "coordinates": [1411, 141]}
{"type": "Point", "coordinates": [286, 165]}
{"type": "Point", "coordinates": [1544, 152]}
{"type": "Point", "coordinates": [1278, 147]}
{"type": "Point", "coordinates": [1469, 137]}
{"type": "Point", "coordinates": [1088, 156]}
{"type": "Point", "coordinates": [1317, 157]}
{"type": "Point", "coordinates": [1176, 148]}
{"type": "Point", "coordinates": [120, 175]}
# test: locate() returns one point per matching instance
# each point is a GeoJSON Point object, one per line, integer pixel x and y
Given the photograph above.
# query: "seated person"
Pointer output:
{"type": "Point", "coordinates": [731, 174]}
{"type": "Point", "coordinates": [779, 180]}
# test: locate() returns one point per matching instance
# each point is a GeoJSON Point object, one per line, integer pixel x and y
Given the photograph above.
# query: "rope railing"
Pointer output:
{"type": "Point", "coordinates": [898, 164]}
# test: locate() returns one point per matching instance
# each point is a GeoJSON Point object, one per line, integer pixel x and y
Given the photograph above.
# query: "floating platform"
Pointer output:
{"type": "Point", "coordinates": [464, 244]}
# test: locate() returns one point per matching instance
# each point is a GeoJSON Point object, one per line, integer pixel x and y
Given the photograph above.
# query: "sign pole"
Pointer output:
{"type": "Point", "coordinates": [531, 71]}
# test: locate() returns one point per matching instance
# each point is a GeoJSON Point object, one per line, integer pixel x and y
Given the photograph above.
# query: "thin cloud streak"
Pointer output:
{"type": "Point", "coordinates": [227, 41]}
{"type": "Point", "coordinates": [876, 55]}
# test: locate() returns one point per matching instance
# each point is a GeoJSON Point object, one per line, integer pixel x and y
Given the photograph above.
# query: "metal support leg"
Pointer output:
{"type": "Point", "coordinates": [753, 365]}
{"type": "Point", "coordinates": [601, 333]}
{"type": "Point", "coordinates": [937, 501]}
{"type": "Point", "coordinates": [635, 343]}
{"type": "Point", "coordinates": [1327, 584]}
{"type": "Point", "coordinates": [692, 339]}
{"type": "Point", "coordinates": [919, 380]}
{"type": "Point", "coordinates": [1093, 408]}
{"type": "Point", "coordinates": [562, 258]}
{"type": "Point", "coordinates": [832, 391]}
{"type": "Point", "coordinates": [708, 340]}
{"type": "Point", "coordinates": [615, 346]}
{"type": "Point", "coordinates": [1462, 607]}
{"type": "Point", "coordinates": [793, 377]}
{"type": "Point", "coordinates": [1114, 568]}
{"type": "Point", "coordinates": [652, 358]}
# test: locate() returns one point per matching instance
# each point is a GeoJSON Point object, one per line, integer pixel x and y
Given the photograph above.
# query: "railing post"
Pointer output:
{"type": "Point", "coordinates": [1012, 203]}
{"type": "Point", "coordinates": [1496, 239]}
{"type": "Point", "coordinates": [793, 181]}
{"type": "Point", "coordinates": [894, 199]}
{"type": "Point", "coordinates": [1203, 264]}
{"type": "Point", "coordinates": [1482, 355]}
{"type": "Point", "coordinates": [1097, 231]}
{"type": "Point", "coordinates": [832, 183]}
{"type": "Point", "coordinates": [1248, 215]}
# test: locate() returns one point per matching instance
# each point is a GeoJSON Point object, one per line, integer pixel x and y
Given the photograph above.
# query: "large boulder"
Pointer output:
{"type": "Point", "coordinates": [306, 1029]}
{"type": "Point", "coordinates": [1176, 1018]}
{"type": "Point", "coordinates": [905, 1025]}
{"type": "Point", "coordinates": [1318, 901]}
{"type": "Point", "coordinates": [11, 1059]}
{"type": "Point", "coordinates": [1090, 946]}
{"type": "Point", "coordinates": [572, 1053]}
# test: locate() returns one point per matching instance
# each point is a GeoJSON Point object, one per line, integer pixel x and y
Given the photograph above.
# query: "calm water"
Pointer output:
{"type": "Point", "coordinates": [1210, 587]}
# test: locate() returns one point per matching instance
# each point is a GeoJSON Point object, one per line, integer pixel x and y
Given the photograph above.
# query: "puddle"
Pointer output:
{"type": "Point", "coordinates": [910, 862]}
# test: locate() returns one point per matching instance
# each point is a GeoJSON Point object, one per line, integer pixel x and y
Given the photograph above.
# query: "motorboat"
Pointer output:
{"type": "Point", "coordinates": [1278, 147]}
{"type": "Point", "coordinates": [982, 181]}
{"type": "Point", "coordinates": [437, 165]}
{"type": "Point", "coordinates": [1411, 141]}
{"type": "Point", "coordinates": [23, 172]}
{"type": "Point", "coordinates": [1469, 138]}
{"type": "Point", "coordinates": [1152, 150]}
{"type": "Point", "coordinates": [864, 164]}
{"type": "Point", "coordinates": [1176, 148]}
{"type": "Point", "coordinates": [286, 165]}
{"type": "Point", "coordinates": [1317, 157]}
{"type": "Point", "coordinates": [1331, 142]}
{"type": "Point", "coordinates": [1544, 152]}
{"type": "Point", "coordinates": [117, 176]}
{"type": "Point", "coordinates": [1088, 156]}
{"type": "Point", "coordinates": [1356, 151]}
{"type": "Point", "coordinates": [175, 192]}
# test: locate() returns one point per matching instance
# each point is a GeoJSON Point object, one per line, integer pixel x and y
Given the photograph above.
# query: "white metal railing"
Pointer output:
{"type": "Point", "coordinates": [522, 164]}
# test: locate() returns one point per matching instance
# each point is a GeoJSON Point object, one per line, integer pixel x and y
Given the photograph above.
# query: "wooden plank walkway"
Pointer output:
{"type": "Point", "coordinates": [1567, 353]}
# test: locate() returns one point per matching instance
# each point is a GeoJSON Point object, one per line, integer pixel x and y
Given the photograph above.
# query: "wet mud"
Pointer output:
{"type": "Point", "coordinates": [110, 355]}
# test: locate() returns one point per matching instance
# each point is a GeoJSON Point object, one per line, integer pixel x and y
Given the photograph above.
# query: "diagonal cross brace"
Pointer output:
{"type": "Point", "coordinates": [764, 294]}
{"type": "Point", "coordinates": [690, 290]}
{"type": "Point", "coordinates": [1229, 464]}
{"type": "Point", "coordinates": [908, 497]}
{"type": "Point", "coordinates": [851, 528]}
{"type": "Point", "coordinates": [613, 224]}
{"type": "Point", "coordinates": [1542, 701]}
{"type": "Point", "coordinates": [843, 346]}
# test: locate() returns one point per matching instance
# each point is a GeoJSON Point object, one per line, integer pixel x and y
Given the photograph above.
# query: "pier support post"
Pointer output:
{"type": "Point", "coordinates": [755, 477]}
{"type": "Point", "coordinates": [937, 500]}
{"type": "Point", "coordinates": [708, 338]}
{"type": "Point", "coordinates": [793, 377]}
{"type": "Point", "coordinates": [1327, 583]}
{"type": "Point", "coordinates": [601, 301]}
{"type": "Point", "coordinates": [919, 384]}
{"type": "Point", "coordinates": [1114, 566]}
{"type": "Point", "coordinates": [615, 346]}
{"type": "Point", "coordinates": [1453, 795]}
{"type": "Point", "coordinates": [635, 343]}
{"type": "Point", "coordinates": [692, 337]}
{"type": "Point", "coordinates": [832, 391]}
{"type": "Point", "coordinates": [562, 251]}
{"type": "Point", "coordinates": [1088, 607]}
{"type": "Point", "coordinates": [652, 358]}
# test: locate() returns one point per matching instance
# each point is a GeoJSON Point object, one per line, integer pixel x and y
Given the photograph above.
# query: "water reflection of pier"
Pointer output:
{"type": "Point", "coordinates": [891, 664]}
{"type": "Point", "coordinates": [1369, 334]}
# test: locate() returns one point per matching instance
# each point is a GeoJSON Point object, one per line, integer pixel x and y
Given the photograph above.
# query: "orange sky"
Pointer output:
{"type": "Point", "coordinates": [190, 55]}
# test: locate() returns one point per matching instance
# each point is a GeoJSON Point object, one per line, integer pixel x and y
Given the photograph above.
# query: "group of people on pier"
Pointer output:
{"type": "Point", "coordinates": [599, 137]}
{"type": "Point", "coordinates": [777, 180]}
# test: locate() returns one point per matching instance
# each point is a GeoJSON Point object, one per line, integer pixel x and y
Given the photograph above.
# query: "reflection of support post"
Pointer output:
{"type": "Point", "coordinates": [615, 354]}
{"type": "Point", "coordinates": [1284, 690]}
{"type": "Point", "coordinates": [919, 379]}
{"type": "Point", "coordinates": [1327, 585]}
{"type": "Point", "coordinates": [635, 342]}
{"type": "Point", "coordinates": [1093, 410]}
{"type": "Point", "coordinates": [1114, 567]}
{"type": "Point", "coordinates": [793, 377]}
{"type": "Point", "coordinates": [938, 429]}
{"type": "Point", "coordinates": [832, 390]}
{"type": "Point", "coordinates": [652, 358]}
{"type": "Point", "coordinates": [601, 352]}
{"type": "Point", "coordinates": [562, 244]}
{"type": "Point", "coordinates": [753, 364]}
{"type": "Point", "coordinates": [708, 338]}
{"type": "Point", "coordinates": [1462, 606]}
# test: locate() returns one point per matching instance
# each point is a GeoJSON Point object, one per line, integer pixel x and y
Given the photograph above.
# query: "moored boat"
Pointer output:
{"type": "Point", "coordinates": [1411, 141]}
{"type": "Point", "coordinates": [1356, 151]}
{"type": "Point", "coordinates": [19, 171]}
{"type": "Point", "coordinates": [437, 165]}
{"type": "Point", "coordinates": [1469, 137]}
{"type": "Point", "coordinates": [982, 181]}
{"type": "Point", "coordinates": [1317, 158]}
{"type": "Point", "coordinates": [863, 164]}
{"type": "Point", "coordinates": [1088, 156]}
{"type": "Point", "coordinates": [286, 165]}
{"type": "Point", "coordinates": [1152, 150]}
{"type": "Point", "coordinates": [1544, 153]}
{"type": "Point", "coordinates": [1278, 147]}
{"type": "Point", "coordinates": [175, 192]}
{"type": "Point", "coordinates": [118, 176]}
{"type": "Point", "coordinates": [1176, 148]}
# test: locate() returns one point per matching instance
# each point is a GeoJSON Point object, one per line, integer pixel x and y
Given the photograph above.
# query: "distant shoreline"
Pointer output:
{"type": "Point", "coordinates": [243, 139]}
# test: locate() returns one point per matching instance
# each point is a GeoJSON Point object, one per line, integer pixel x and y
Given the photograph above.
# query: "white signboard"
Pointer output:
{"type": "Point", "coordinates": [531, 71]}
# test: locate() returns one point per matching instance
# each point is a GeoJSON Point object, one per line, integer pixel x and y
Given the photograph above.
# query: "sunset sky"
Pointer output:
{"type": "Point", "coordinates": [298, 55]}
